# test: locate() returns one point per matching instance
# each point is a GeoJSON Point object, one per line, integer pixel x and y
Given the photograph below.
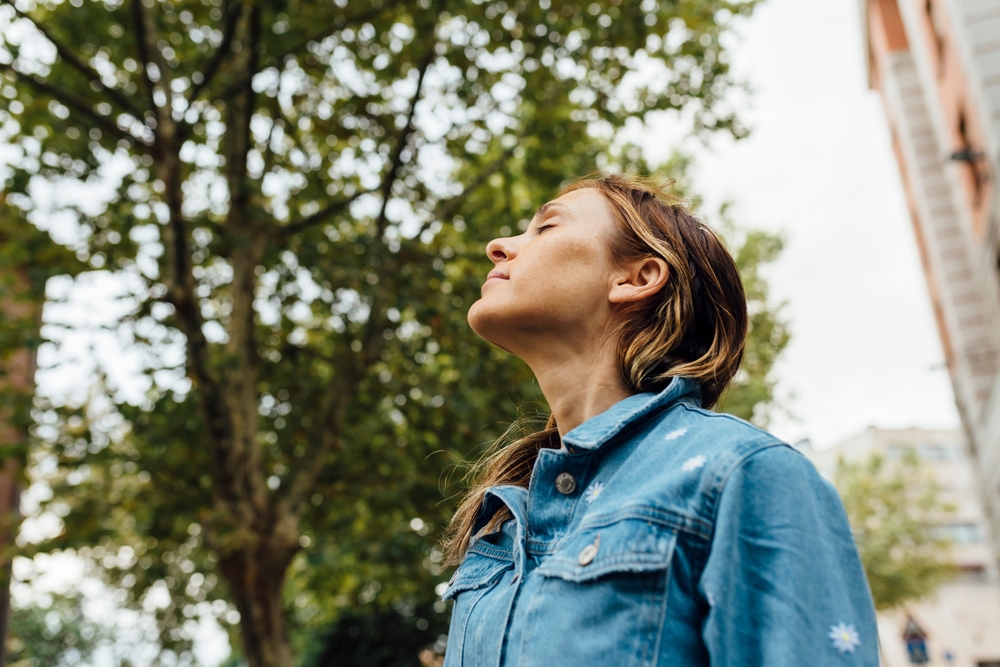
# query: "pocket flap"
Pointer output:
{"type": "Point", "coordinates": [629, 545]}
{"type": "Point", "coordinates": [476, 571]}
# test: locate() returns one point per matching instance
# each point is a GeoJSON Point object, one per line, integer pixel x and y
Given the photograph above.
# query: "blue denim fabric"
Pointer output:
{"type": "Point", "coordinates": [691, 538]}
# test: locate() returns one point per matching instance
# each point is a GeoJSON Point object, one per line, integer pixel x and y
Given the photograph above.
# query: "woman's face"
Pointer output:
{"type": "Point", "coordinates": [552, 280]}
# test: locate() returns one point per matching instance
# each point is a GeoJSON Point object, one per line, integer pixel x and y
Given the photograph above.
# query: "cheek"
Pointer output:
{"type": "Point", "coordinates": [581, 275]}
{"type": "Point", "coordinates": [561, 292]}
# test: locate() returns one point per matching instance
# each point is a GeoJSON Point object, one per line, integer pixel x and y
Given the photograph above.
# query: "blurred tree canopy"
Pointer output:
{"type": "Point", "coordinates": [58, 635]}
{"type": "Point", "coordinates": [300, 195]}
{"type": "Point", "coordinates": [893, 507]}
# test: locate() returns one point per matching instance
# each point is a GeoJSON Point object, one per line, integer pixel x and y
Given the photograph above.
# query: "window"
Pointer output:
{"type": "Point", "coordinates": [977, 181]}
{"type": "Point", "coordinates": [974, 575]}
{"type": "Point", "coordinates": [897, 450]}
{"type": "Point", "coordinates": [998, 254]}
{"type": "Point", "coordinates": [935, 452]}
{"type": "Point", "coordinates": [959, 533]}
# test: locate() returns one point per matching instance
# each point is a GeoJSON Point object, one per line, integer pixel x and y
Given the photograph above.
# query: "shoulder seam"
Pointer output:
{"type": "Point", "coordinates": [720, 487]}
{"type": "Point", "coordinates": [732, 418]}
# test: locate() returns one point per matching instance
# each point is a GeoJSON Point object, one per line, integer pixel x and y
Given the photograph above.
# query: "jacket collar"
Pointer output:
{"type": "Point", "coordinates": [597, 431]}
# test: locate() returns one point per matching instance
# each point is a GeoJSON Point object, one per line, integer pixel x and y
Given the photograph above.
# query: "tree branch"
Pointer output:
{"type": "Point", "coordinates": [233, 13]}
{"type": "Point", "coordinates": [152, 39]}
{"type": "Point", "coordinates": [402, 142]}
{"type": "Point", "coordinates": [276, 115]}
{"type": "Point", "coordinates": [302, 45]}
{"type": "Point", "coordinates": [139, 25]}
{"type": "Point", "coordinates": [360, 17]}
{"type": "Point", "coordinates": [76, 103]}
{"type": "Point", "coordinates": [239, 112]}
{"type": "Point", "coordinates": [249, 246]}
{"type": "Point", "coordinates": [449, 207]}
{"type": "Point", "coordinates": [178, 274]}
{"type": "Point", "coordinates": [318, 217]}
{"type": "Point", "coordinates": [312, 464]}
{"type": "Point", "coordinates": [70, 58]}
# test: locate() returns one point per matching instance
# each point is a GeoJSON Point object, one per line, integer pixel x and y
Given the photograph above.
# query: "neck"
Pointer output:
{"type": "Point", "coordinates": [579, 382]}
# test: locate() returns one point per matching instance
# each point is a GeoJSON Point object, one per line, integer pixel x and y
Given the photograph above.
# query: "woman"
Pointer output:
{"type": "Point", "coordinates": [639, 527]}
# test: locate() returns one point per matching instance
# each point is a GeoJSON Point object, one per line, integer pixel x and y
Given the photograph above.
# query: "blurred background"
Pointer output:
{"type": "Point", "coordinates": [238, 241]}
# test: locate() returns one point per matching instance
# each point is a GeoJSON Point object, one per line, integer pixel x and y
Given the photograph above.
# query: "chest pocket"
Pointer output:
{"type": "Point", "coordinates": [482, 597]}
{"type": "Point", "coordinates": [603, 597]}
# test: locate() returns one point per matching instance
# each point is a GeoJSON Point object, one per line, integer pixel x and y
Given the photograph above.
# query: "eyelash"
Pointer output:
{"type": "Point", "coordinates": [542, 228]}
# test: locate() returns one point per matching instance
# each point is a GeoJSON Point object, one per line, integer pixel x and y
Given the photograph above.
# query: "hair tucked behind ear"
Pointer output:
{"type": "Point", "coordinates": [696, 326]}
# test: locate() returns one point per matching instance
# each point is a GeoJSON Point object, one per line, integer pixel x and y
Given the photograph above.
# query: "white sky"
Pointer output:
{"type": "Point", "coordinates": [819, 166]}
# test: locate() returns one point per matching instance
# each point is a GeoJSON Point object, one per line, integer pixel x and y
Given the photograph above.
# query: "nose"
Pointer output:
{"type": "Point", "coordinates": [501, 250]}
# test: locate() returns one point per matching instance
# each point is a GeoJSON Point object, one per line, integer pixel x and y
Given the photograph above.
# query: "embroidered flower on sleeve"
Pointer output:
{"type": "Point", "coordinates": [693, 463]}
{"type": "Point", "coordinates": [594, 490]}
{"type": "Point", "coordinates": [845, 637]}
{"type": "Point", "coordinates": [673, 435]}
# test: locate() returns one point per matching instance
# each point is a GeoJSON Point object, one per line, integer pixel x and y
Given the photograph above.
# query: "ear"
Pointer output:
{"type": "Point", "coordinates": [639, 280]}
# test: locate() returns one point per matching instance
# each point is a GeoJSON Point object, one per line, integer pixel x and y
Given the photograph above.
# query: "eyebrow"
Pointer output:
{"type": "Point", "coordinates": [544, 208]}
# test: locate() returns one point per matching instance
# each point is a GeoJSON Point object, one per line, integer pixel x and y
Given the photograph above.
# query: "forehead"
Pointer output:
{"type": "Point", "coordinates": [582, 204]}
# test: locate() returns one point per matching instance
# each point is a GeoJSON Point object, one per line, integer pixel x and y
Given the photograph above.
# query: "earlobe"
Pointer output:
{"type": "Point", "coordinates": [640, 280]}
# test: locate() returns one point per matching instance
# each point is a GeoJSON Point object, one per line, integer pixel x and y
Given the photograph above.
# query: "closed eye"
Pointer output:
{"type": "Point", "coordinates": [542, 228]}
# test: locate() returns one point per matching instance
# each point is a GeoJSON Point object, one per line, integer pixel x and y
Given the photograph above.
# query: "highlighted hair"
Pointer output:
{"type": "Point", "coordinates": [695, 327]}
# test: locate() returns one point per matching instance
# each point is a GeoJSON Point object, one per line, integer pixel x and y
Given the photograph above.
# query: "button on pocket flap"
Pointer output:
{"type": "Point", "coordinates": [631, 545]}
{"type": "Point", "coordinates": [476, 571]}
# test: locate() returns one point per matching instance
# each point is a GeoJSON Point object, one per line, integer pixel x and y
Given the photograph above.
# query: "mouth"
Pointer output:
{"type": "Point", "coordinates": [497, 274]}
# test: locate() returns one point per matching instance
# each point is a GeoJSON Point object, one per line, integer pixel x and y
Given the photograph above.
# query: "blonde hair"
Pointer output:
{"type": "Point", "coordinates": [694, 327]}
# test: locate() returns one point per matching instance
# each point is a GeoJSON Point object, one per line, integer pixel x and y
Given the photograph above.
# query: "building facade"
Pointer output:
{"type": "Point", "coordinates": [936, 64]}
{"type": "Point", "coordinates": [959, 626]}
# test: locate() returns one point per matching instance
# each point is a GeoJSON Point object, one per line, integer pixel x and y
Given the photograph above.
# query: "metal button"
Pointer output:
{"type": "Point", "coordinates": [565, 484]}
{"type": "Point", "coordinates": [589, 552]}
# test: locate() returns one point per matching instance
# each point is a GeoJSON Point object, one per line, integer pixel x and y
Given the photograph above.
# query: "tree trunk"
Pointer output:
{"type": "Point", "coordinates": [20, 308]}
{"type": "Point", "coordinates": [256, 579]}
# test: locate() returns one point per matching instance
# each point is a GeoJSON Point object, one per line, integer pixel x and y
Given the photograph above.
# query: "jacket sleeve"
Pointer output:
{"type": "Point", "coordinates": [783, 580]}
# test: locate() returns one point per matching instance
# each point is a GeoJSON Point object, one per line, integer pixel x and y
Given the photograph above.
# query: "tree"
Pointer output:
{"type": "Point", "coordinates": [58, 635]}
{"type": "Point", "coordinates": [25, 266]}
{"type": "Point", "coordinates": [893, 508]}
{"type": "Point", "coordinates": [301, 194]}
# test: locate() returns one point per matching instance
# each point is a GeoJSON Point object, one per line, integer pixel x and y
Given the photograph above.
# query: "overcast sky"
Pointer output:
{"type": "Point", "coordinates": [819, 166]}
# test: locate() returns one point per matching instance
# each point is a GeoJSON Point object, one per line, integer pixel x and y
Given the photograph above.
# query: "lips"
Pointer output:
{"type": "Point", "coordinates": [497, 273]}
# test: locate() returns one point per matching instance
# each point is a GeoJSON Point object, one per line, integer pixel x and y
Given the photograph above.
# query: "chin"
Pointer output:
{"type": "Point", "coordinates": [487, 323]}
{"type": "Point", "coordinates": [479, 318]}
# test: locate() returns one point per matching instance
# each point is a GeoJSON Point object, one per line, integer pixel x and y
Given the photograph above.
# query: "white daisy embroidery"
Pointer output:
{"type": "Point", "coordinates": [673, 435]}
{"type": "Point", "coordinates": [693, 463]}
{"type": "Point", "coordinates": [594, 490]}
{"type": "Point", "coordinates": [845, 637]}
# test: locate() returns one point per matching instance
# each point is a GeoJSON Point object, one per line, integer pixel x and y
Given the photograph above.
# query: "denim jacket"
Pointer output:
{"type": "Point", "coordinates": [664, 534]}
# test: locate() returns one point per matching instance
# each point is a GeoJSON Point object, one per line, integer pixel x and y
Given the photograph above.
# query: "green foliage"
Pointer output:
{"type": "Point", "coordinates": [56, 635]}
{"type": "Point", "coordinates": [302, 192]}
{"type": "Point", "coordinates": [892, 507]}
{"type": "Point", "coordinates": [751, 395]}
